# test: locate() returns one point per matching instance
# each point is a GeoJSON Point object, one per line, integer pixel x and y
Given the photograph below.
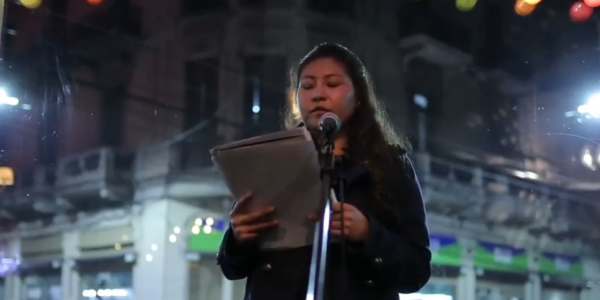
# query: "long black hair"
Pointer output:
{"type": "Point", "coordinates": [372, 140]}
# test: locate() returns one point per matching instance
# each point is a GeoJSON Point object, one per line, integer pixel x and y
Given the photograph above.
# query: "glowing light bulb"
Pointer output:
{"type": "Point", "coordinates": [195, 230]}
{"type": "Point", "coordinates": [172, 238]}
{"type": "Point", "coordinates": [32, 4]}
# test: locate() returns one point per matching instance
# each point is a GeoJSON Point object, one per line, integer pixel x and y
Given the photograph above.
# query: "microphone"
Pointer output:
{"type": "Point", "coordinates": [329, 124]}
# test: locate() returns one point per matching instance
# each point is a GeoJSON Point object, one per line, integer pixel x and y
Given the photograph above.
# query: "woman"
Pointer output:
{"type": "Point", "coordinates": [385, 249]}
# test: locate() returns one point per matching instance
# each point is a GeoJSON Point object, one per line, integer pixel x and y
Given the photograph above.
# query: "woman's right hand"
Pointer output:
{"type": "Point", "coordinates": [246, 226]}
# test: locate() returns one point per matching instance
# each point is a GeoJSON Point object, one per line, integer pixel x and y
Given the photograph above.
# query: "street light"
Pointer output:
{"type": "Point", "coordinates": [7, 177]}
{"type": "Point", "coordinates": [6, 100]}
{"type": "Point", "coordinates": [591, 108]}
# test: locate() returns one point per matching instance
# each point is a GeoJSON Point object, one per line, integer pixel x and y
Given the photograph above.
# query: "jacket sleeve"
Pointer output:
{"type": "Point", "coordinates": [236, 260]}
{"type": "Point", "coordinates": [399, 249]}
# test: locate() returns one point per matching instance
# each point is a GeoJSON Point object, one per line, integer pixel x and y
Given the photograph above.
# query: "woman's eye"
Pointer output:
{"type": "Point", "coordinates": [333, 84]}
{"type": "Point", "coordinates": [306, 86]}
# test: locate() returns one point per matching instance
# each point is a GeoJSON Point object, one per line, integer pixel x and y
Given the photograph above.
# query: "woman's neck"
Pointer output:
{"type": "Point", "coordinates": [339, 145]}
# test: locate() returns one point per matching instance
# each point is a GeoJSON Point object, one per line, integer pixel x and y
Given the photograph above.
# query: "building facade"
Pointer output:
{"type": "Point", "coordinates": [125, 203]}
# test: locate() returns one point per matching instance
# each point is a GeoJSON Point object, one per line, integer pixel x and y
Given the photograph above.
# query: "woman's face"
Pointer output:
{"type": "Point", "coordinates": [324, 86]}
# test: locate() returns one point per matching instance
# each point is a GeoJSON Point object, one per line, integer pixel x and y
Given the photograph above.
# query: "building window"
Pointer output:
{"type": "Point", "coordinates": [264, 92]}
{"type": "Point", "coordinates": [201, 90]}
{"type": "Point", "coordinates": [113, 107]}
{"type": "Point", "coordinates": [340, 8]}
{"type": "Point", "coordinates": [200, 7]}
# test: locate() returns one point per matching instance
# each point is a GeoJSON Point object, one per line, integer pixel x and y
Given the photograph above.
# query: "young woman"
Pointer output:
{"type": "Point", "coordinates": [385, 249]}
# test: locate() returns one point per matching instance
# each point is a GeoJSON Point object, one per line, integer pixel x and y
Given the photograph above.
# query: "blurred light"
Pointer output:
{"type": "Point", "coordinates": [94, 2]}
{"type": "Point", "coordinates": [105, 293]}
{"type": "Point", "coordinates": [177, 230]}
{"type": "Point", "coordinates": [117, 246]}
{"type": "Point", "coordinates": [149, 257]}
{"type": "Point", "coordinates": [207, 229]}
{"type": "Point", "coordinates": [420, 101]}
{"type": "Point", "coordinates": [154, 247]}
{"type": "Point", "coordinates": [523, 8]}
{"type": "Point", "coordinates": [592, 107]}
{"type": "Point", "coordinates": [7, 176]}
{"type": "Point", "coordinates": [592, 3]}
{"type": "Point", "coordinates": [419, 296]}
{"type": "Point", "coordinates": [32, 4]}
{"type": "Point", "coordinates": [172, 238]}
{"type": "Point", "coordinates": [526, 175]}
{"type": "Point", "coordinates": [587, 159]}
{"type": "Point", "coordinates": [465, 5]}
{"type": "Point", "coordinates": [580, 12]}
{"type": "Point", "coordinates": [532, 2]}
{"type": "Point", "coordinates": [195, 230]}
{"type": "Point", "coordinates": [198, 222]}
{"type": "Point", "coordinates": [210, 222]}
{"type": "Point", "coordinates": [255, 109]}
{"type": "Point", "coordinates": [6, 100]}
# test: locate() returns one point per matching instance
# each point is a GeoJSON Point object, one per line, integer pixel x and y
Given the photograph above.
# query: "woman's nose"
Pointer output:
{"type": "Point", "coordinates": [319, 95]}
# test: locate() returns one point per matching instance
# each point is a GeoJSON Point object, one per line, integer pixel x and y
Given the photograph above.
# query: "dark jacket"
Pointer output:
{"type": "Point", "coordinates": [393, 259]}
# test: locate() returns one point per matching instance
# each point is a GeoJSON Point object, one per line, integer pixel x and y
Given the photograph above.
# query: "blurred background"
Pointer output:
{"type": "Point", "coordinates": [108, 109]}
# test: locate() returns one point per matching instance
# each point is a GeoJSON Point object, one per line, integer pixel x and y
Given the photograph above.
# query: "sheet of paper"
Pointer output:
{"type": "Point", "coordinates": [296, 133]}
{"type": "Point", "coordinates": [285, 174]}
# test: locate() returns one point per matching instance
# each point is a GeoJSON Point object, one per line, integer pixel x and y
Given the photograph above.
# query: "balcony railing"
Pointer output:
{"type": "Point", "coordinates": [469, 192]}
{"type": "Point", "coordinates": [101, 174]}
{"type": "Point", "coordinates": [183, 165]}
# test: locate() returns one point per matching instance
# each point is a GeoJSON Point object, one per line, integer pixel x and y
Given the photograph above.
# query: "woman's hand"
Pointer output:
{"type": "Point", "coordinates": [246, 226]}
{"type": "Point", "coordinates": [356, 225]}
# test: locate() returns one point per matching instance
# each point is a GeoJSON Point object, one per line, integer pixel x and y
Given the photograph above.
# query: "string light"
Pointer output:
{"type": "Point", "coordinates": [592, 3]}
{"type": "Point", "coordinates": [523, 8]}
{"type": "Point", "coordinates": [580, 12]}
{"type": "Point", "coordinates": [465, 5]}
{"type": "Point", "coordinates": [32, 4]}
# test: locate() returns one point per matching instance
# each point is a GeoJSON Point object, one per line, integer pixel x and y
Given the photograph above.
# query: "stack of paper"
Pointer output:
{"type": "Point", "coordinates": [281, 170]}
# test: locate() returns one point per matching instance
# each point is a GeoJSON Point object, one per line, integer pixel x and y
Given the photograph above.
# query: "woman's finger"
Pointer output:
{"type": "Point", "coordinates": [241, 203]}
{"type": "Point", "coordinates": [337, 225]}
{"type": "Point", "coordinates": [261, 226]}
{"type": "Point", "coordinates": [251, 217]}
{"type": "Point", "coordinates": [247, 236]}
{"type": "Point", "coordinates": [313, 218]}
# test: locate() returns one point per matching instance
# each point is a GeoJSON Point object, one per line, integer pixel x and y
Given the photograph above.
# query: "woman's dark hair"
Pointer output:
{"type": "Point", "coordinates": [372, 141]}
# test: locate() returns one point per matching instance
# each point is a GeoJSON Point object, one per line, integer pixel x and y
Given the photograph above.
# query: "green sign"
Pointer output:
{"type": "Point", "coordinates": [208, 237]}
{"type": "Point", "coordinates": [445, 250]}
{"type": "Point", "coordinates": [500, 257]}
{"type": "Point", "coordinates": [559, 264]}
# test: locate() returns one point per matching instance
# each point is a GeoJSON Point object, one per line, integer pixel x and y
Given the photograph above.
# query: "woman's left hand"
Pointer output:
{"type": "Point", "coordinates": [356, 225]}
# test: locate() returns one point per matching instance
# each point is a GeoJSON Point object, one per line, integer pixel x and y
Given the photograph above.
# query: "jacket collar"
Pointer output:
{"type": "Point", "coordinates": [353, 171]}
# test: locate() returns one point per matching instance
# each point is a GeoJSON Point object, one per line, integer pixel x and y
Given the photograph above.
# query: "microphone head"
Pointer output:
{"type": "Point", "coordinates": [329, 123]}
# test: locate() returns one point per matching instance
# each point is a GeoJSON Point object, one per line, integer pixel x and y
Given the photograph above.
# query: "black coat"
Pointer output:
{"type": "Point", "coordinates": [394, 258]}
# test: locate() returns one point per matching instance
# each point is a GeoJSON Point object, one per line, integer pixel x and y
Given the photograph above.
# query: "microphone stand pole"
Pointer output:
{"type": "Point", "coordinates": [318, 263]}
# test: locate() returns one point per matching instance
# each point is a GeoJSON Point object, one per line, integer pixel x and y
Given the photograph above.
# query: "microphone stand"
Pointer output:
{"type": "Point", "coordinates": [318, 263]}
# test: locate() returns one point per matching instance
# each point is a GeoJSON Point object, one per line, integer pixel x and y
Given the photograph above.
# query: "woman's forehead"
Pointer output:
{"type": "Point", "coordinates": [323, 66]}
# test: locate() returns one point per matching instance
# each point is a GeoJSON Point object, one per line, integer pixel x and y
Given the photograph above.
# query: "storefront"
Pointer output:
{"type": "Point", "coordinates": [2, 289]}
{"type": "Point", "coordinates": [108, 278]}
{"type": "Point", "coordinates": [105, 267]}
{"type": "Point", "coordinates": [562, 276]}
{"type": "Point", "coordinates": [40, 269]}
{"type": "Point", "coordinates": [204, 239]}
{"type": "Point", "coordinates": [502, 271]}
{"type": "Point", "coordinates": [41, 281]}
